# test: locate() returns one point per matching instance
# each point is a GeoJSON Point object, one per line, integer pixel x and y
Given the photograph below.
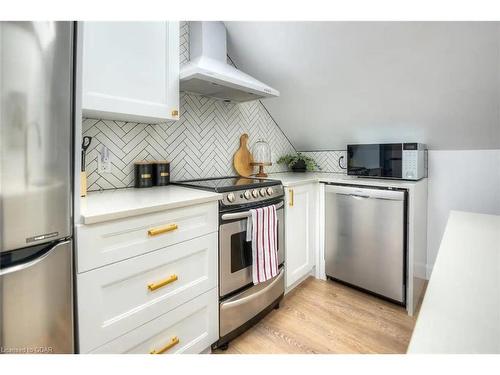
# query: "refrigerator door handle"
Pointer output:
{"type": "Point", "coordinates": [31, 263]}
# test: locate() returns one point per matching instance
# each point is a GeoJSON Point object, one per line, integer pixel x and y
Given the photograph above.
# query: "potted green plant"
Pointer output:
{"type": "Point", "coordinates": [298, 162]}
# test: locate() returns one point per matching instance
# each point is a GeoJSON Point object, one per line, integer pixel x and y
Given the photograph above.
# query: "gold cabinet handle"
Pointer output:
{"type": "Point", "coordinates": [290, 203]}
{"type": "Point", "coordinates": [160, 284]}
{"type": "Point", "coordinates": [173, 342]}
{"type": "Point", "coordinates": [175, 113]}
{"type": "Point", "coordinates": [163, 229]}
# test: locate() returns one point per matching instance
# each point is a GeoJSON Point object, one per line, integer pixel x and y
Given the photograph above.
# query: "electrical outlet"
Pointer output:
{"type": "Point", "coordinates": [104, 164]}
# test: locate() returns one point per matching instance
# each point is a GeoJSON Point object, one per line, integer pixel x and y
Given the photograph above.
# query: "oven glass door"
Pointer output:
{"type": "Point", "coordinates": [377, 160]}
{"type": "Point", "coordinates": [235, 254]}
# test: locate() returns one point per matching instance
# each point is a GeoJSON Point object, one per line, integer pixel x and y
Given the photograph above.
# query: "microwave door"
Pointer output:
{"type": "Point", "coordinates": [375, 160]}
{"type": "Point", "coordinates": [391, 156]}
{"type": "Point", "coordinates": [35, 132]}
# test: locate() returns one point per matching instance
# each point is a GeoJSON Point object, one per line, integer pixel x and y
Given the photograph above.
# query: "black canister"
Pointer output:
{"type": "Point", "coordinates": [143, 172]}
{"type": "Point", "coordinates": [161, 172]}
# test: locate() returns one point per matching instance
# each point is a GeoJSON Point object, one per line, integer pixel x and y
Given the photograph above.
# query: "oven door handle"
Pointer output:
{"type": "Point", "coordinates": [241, 301]}
{"type": "Point", "coordinates": [244, 215]}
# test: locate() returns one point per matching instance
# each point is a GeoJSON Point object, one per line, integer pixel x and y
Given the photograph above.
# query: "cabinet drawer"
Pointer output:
{"type": "Point", "coordinates": [109, 242]}
{"type": "Point", "coordinates": [190, 328]}
{"type": "Point", "coordinates": [115, 299]}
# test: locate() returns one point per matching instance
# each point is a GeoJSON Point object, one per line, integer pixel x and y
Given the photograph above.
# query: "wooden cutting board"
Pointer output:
{"type": "Point", "coordinates": [243, 158]}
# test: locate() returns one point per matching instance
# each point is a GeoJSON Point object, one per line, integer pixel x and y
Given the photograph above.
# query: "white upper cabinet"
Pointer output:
{"type": "Point", "coordinates": [131, 71]}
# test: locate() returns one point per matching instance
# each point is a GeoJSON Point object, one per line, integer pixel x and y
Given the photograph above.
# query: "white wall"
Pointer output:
{"type": "Point", "coordinates": [374, 82]}
{"type": "Point", "coordinates": [460, 180]}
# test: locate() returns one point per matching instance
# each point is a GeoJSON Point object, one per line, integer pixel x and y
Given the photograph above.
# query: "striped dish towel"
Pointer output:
{"type": "Point", "coordinates": [262, 231]}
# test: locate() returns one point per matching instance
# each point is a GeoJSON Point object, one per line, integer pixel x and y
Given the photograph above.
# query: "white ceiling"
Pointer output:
{"type": "Point", "coordinates": [361, 82]}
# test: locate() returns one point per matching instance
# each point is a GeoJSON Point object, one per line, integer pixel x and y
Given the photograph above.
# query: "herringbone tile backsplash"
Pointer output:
{"type": "Point", "coordinates": [200, 144]}
{"type": "Point", "coordinates": [329, 161]}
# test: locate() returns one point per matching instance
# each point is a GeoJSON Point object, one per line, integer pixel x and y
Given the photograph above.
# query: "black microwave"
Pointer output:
{"type": "Point", "coordinates": [406, 161]}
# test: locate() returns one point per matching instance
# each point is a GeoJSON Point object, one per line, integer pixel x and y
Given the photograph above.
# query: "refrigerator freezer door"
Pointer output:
{"type": "Point", "coordinates": [364, 239]}
{"type": "Point", "coordinates": [36, 309]}
{"type": "Point", "coordinates": [35, 132]}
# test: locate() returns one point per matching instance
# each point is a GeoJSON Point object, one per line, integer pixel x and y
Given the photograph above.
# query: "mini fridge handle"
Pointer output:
{"type": "Point", "coordinates": [31, 263]}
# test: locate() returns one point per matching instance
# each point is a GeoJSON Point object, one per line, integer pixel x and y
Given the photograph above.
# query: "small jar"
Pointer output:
{"type": "Point", "coordinates": [143, 172]}
{"type": "Point", "coordinates": [161, 172]}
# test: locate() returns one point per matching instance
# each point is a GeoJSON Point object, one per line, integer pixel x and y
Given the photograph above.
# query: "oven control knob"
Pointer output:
{"type": "Point", "coordinates": [270, 191]}
{"type": "Point", "coordinates": [262, 192]}
{"type": "Point", "coordinates": [231, 197]}
{"type": "Point", "coordinates": [255, 193]}
{"type": "Point", "coordinates": [247, 194]}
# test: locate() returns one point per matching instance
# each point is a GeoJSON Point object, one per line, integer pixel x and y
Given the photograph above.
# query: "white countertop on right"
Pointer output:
{"type": "Point", "coordinates": [461, 309]}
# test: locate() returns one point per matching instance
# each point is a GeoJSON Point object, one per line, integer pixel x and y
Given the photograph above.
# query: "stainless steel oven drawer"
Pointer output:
{"type": "Point", "coordinates": [240, 308]}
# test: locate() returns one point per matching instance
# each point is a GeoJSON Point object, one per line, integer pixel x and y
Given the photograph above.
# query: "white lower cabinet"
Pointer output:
{"type": "Point", "coordinates": [117, 298]}
{"type": "Point", "coordinates": [190, 328]}
{"type": "Point", "coordinates": [300, 232]}
{"type": "Point", "coordinates": [149, 283]}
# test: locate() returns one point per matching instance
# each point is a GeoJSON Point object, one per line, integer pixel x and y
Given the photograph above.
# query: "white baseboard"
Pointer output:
{"type": "Point", "coordinates": [298, 282]}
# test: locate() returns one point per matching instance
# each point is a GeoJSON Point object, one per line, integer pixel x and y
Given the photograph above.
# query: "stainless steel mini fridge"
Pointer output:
{"type": "Point", "coordinates": [36, 264]}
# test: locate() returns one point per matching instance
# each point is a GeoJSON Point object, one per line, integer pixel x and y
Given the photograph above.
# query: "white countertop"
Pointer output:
{"type": "Point", "coordinates": [298, 178]}
{"type": "Point", "coordinates": [461, 309]}
{"type": "Point", "coordinates": [120, 203]}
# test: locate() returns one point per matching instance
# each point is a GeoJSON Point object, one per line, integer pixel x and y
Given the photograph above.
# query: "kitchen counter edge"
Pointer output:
{"type": "Point", "coordinates": [294, 179]}
{"type": "Point", "coordinates": [118, 204]}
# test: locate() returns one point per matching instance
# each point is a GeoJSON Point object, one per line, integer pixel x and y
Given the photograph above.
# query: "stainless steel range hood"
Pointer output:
{"type": "Point", "coordinates": [208, 72]}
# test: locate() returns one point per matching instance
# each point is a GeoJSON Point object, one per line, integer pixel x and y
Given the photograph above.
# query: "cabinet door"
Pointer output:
{"type": "Point", "coordinates": [300, 232]}
{"type": "Point", "coordinates": [131, 70]}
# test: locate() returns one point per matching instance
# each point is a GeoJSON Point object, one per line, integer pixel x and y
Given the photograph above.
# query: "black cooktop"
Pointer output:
{"type": "Point", "coordinates": [230, 183]}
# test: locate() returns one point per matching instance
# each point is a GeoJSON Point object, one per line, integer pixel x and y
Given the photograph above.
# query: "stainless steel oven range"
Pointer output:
{"type": "Point", "coordinates": [242, 304]}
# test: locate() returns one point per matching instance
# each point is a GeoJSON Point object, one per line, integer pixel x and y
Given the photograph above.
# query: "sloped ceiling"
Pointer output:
{"type": "Point", "coordinates": [363, 82]}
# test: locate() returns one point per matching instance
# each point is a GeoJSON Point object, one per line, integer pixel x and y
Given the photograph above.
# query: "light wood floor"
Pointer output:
{"type": "Point", "coordinates": [328, 317]}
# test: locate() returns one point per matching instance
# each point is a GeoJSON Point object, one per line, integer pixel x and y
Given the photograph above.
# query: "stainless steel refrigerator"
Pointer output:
{"type": "Point", "coordinates": [36, 250]}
